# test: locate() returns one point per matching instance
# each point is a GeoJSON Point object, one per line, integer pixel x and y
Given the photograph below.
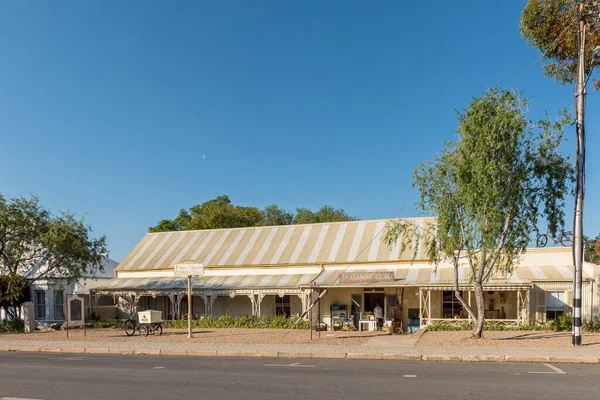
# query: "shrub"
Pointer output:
{"type": "Point", "coordinates": [591, 326]}
{"type": "Point", "coordinates": [490, 325]}
{"type": "Point", "coordinates": [244, 321]}
{"type": "Point", "coordinates": [14, 326]}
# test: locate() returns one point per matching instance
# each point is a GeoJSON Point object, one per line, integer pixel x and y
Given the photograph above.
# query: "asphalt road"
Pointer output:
{"type": "Point", "coordinates": [48, 376]}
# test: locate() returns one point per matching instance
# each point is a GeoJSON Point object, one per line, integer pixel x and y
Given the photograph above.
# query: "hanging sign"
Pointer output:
{"type": "Point", "coordinates": [366, 277]}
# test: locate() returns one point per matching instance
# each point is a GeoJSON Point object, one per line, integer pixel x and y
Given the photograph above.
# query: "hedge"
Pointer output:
{"type": "Point", "coordinates": [562, 323]}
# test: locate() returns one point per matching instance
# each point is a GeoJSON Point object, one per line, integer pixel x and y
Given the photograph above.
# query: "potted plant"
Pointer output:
{"type": "Point", "coordinates": [369, 315]}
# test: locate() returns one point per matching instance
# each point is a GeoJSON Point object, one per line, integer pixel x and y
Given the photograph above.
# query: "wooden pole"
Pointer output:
{"type": "Point", "coordinates": [189, 295]}
{"type": "Point", "coordinates": [67, 316]}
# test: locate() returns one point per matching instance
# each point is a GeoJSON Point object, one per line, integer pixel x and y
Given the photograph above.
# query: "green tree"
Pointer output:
{"type": "Point", "coordinates": [273, 215]}
{"type": "Point", "coordinates": [35, 244]}
{"type": "Point", "coordinates": [324, 214]}
{"type": "Point", "coordinates": [181, 223]}
{"type": "Point", "coordinates": [488, 189]}
{"type": "Point", "coordinates": [551, 27]}
{"type": "Point", "coordinates": [212, 214]}
{"type": "Point", "coordinates": [592, 249]}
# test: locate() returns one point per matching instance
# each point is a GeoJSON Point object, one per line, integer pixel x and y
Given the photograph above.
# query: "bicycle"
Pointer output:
{"type": "Point", "coordinates": [564, 238]}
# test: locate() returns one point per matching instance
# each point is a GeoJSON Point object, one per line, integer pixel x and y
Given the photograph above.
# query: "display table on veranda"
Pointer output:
{"type": "Point", "coordinates": [371, 324]}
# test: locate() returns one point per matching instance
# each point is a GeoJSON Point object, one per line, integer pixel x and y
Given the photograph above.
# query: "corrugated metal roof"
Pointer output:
{"type": "Point", "coordinates": [289, 281]}
{"type": "Point", "coordinates": [340, 242]}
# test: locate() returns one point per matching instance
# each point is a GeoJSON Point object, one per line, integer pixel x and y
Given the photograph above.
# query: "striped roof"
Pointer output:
{"type": "Point", "coordinates": [288, 281]}
{"type": "Point", "coordinates": [328, 243]}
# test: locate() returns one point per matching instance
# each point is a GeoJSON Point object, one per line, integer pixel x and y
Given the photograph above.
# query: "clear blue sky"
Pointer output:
{"type": "Point", "coordinates": [107, 108]}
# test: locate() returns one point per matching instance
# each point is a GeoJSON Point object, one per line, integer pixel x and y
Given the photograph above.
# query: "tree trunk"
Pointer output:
{"type": "Point", "coordinates": [478, 329]}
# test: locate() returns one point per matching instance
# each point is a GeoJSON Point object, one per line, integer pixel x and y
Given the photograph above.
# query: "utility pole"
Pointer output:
{"type": "Point", "coordinates": [580, 178]}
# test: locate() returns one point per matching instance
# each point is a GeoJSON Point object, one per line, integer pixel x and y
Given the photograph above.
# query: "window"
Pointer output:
{"type": "Point", "coordinates": [104, 301]}
{"type": "Point", "coordinates": [282, 306]}
{"type": "Point", "coordinates": [59, 304]}
{"type": "Point", "coordinates": [451, 307]}
{"type": "Point", "coordinates": [555, 304]}
{"type": "Point", "coordinates": [40, 304]}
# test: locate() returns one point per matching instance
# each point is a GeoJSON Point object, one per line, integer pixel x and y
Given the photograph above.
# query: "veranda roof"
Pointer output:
{"type": "Point", "coordinates": [288, 281]}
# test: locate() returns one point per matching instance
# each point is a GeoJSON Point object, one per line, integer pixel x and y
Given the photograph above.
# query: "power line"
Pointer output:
{"type": "Point", "coordinates": [542, 56]}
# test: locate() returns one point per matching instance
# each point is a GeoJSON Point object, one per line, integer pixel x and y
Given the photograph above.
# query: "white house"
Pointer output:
{"type": "Point", "coordinates": [49, 295]}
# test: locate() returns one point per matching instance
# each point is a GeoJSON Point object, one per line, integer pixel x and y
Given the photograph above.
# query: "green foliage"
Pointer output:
{"type": "Point", "coordinates": [592, 249]}
{"type": "Point", "coordinates": [221, 213]}
{"type": "Point", "coordinates": [551, 27]}
{"type": "Point", "coordinates": [324, 214]}
{"type": "Point", "coordinates": [489, 188]}
{"type": "Point", "coordinates": [591, 326]}
{"type": "Point", "coordinates": [492, 325]}
{"type": "Point", "coordinates": [562, 323]}
{"type": "Point", "coordinates": [245, 321]}
{"type": "Point", "coordinates": [273, 215]}
{"type": "Point", "coordinates": [14, 326]}
{"type": "Point", "coordinates": [36, 244]}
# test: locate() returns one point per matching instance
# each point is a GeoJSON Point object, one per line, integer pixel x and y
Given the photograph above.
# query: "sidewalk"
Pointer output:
{"type": "Point", "coordinates": [375, 349]}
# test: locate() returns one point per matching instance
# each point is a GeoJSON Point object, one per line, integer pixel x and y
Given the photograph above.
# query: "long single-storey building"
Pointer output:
{"type": "Point", "coordinates": [280, 270]}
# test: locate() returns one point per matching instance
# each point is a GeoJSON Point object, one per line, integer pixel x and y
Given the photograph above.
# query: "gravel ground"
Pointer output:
{"type": "Point", "coordinates": [245, 336]}
{"type": "Point", "coordinates": [530, 339]}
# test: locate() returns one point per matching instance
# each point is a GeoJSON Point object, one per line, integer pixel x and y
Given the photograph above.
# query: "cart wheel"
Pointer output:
{"type": "Point", "coordinates": [129, 327]}
{"type": "Point", "coordinates": [143, 330]}
{"type": "Point", "coordinates": [158, 329]}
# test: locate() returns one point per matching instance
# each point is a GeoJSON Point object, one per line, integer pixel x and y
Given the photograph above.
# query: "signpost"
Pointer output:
{"type": "Point", "coordinates": [189, 270]}
{"type": "Point", "coordinates": [75, 312]}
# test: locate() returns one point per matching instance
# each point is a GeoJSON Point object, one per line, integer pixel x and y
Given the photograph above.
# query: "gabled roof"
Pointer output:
{"type": "Point", "coordinates": [313, 244]}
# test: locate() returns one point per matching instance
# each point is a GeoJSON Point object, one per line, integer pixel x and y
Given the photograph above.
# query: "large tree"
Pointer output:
{"type": "Point", "coordinates": [489, 189]}
{"type": "Point", "coordinates": [220, 212]}
{"type": "Point", "coordinates": [36, 244]}
{"type": "Point", "coordinates": [551, 26]}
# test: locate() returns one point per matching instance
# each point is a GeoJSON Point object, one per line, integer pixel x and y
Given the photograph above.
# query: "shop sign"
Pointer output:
{"type": "Point", "coordinates": [366, 277]}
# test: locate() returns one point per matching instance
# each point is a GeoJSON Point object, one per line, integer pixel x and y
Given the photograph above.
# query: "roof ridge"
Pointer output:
{"type": "Point", "coordinates": [279, 226]}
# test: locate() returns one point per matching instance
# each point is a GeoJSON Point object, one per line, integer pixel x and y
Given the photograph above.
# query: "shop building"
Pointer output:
{"type": "Point", "coordinates": [280, 270]}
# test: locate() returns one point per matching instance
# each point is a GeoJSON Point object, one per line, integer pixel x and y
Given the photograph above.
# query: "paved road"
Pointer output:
{"type": "Point", "coordinates": [50, 376]}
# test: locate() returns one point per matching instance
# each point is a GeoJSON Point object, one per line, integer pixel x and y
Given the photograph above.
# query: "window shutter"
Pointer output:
{"type": "Point", "coordinates": [569, 302]}
{"type": "Point", "coordinates": [541, 305]}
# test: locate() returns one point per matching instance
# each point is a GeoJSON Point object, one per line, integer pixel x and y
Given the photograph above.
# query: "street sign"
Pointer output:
{"type": "Point", "coordinates": [189, 269]}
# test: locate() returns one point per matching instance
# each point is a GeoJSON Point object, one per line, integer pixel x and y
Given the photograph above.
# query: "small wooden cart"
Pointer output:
{"type": "Point", "coordinates": [149, 321]}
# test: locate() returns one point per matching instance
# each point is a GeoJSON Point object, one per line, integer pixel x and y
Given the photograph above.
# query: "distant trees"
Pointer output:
{"type": "Point", "coordinates": [220, 212]}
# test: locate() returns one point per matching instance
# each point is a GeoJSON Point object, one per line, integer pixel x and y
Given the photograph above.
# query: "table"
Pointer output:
{"type": "Point", "coordinates": [372, 324]}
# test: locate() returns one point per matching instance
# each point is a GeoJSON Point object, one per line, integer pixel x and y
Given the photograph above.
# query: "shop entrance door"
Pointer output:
{"type": "Point", "coordinates": [372, 299]}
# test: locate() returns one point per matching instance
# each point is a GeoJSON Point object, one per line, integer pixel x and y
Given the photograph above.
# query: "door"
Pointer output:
{"type": "Point", "coordinates": [372, 299]}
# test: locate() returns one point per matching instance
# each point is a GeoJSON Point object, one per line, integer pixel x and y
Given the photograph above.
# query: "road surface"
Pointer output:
{"type": "Point", "coordinates": [49, 376]}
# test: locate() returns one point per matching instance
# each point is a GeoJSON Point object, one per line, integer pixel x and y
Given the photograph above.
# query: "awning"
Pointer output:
{"type": "Point", "coordinates": [443, 276]}
{"type": "Point", "coordinates": [288, 281]}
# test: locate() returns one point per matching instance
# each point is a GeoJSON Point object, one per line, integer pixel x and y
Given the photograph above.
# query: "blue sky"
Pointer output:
{"type": "Point", "coordinates": [107, 108]}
